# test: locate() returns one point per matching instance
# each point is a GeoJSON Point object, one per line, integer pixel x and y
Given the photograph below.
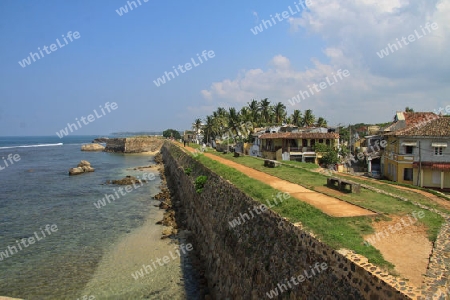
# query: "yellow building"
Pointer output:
{"type": "Point", "coordinates": [298, 146]}
{"type": "Point", "coordinates": [417, 151]}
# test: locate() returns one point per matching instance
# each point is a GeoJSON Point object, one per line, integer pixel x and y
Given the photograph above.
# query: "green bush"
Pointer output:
{"type": "Point", "coordinates": [188, 171]}
{"type": "Point", "coordinates": [200, 183]}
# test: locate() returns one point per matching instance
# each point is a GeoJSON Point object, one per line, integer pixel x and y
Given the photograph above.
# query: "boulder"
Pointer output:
{"type": "Point", "coordinates": [83, 167]}
{"type": "Point", "coordinates": [127, 180]}
{"type": "Point", "coordinates": [92, 147]}
{"type": "Point", "coordinates": [84, 163]}
{"type": "Point", "coordinates": [76, 171]}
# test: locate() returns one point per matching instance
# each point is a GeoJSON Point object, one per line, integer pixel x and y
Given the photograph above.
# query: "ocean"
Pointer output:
{"type": "Point", "coordinates": [55, 243]}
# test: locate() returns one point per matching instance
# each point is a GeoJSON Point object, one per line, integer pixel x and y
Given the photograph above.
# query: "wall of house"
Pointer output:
{"type": "Point", "coordinates": [264, 252]}
{"type": "Point", "coordinates": [400, 172]}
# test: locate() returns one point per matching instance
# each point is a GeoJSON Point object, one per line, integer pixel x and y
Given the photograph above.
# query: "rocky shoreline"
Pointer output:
{"type": "Point", "coordinates": [175, 221]}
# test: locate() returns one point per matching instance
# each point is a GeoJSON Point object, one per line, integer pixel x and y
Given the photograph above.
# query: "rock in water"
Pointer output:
{"type": "Point", "coordinates": [83, 167]}
{"type": "Point", "coordinates": [92, 147]}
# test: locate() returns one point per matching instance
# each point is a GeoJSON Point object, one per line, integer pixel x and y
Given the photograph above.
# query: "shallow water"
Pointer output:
{"type": "Point", "coordinates": [94, 250]}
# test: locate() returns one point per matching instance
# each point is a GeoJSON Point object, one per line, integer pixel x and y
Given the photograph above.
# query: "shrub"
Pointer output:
{"type": "Point", "coordinates": [188, 171]}
{"type": "Point", "coordinates": [200, 183]}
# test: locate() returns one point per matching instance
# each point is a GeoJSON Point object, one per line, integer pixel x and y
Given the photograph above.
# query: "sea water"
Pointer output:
{"type": "Point", "coordinates": [94, 250]}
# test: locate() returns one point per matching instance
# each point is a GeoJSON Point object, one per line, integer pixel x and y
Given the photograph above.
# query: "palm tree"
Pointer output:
{"type": "Point", "coordinates": [254, 109]}
{"type": "Point", "coordinates": [321, 122]}
{"type": "Point", "coordinates": [210, 129]}
{"type": "Point", "coordinates": [233, 122]}
{"type": "Point", "coordinates": [265, 110]}
{"type": "Point", "coordinates": [308, 118]}
{"type": "Point", "coordinates": [296, 117]}
{"type": "Point", "coordinates": [279, 111]}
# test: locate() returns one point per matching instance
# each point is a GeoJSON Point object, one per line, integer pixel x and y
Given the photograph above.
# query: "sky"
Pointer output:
{"type": "Point", "coordinates": [116, 57]}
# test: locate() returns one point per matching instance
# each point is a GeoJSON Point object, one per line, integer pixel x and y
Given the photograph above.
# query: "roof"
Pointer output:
{"type": "Point", "coordinates": [443, 166]}
{"type": "Point", "coordinates": [404, 120]}
{"type": "Point", "coordinates": [438, 127]}
{"type": "Point", "coordinates": [300, 135]}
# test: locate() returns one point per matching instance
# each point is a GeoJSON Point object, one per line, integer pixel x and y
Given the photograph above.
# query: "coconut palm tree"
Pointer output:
{"type": "Point", "coordinates": [254, 109]}
{"type": "Point", "coordinates": [265, 108]}
{"type": "Point", "coordinates": [210, 129]}
{"type": "Point", "coordinates": [296, 118]}
{"type": "Point", "coordinates": [321, 122]}
{"type": "Point", "coordinates": [308, 118]}
{"type": "Point", "coordinates": [279, 113]}
{"type": "Point", "coordinates": [233, 122]}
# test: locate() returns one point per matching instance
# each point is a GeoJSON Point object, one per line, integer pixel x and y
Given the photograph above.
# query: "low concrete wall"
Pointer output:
{"type": "Point", "coordinates": [264, 253]}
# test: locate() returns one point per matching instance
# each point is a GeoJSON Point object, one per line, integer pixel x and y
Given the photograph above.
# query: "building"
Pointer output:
{"type": "Point", "coordinates": [298, 146]}
{"type": "Point", "coordinates": [417, 151]}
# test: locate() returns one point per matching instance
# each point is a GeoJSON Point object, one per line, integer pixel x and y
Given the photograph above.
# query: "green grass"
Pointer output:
{"type": "Point", "coordinates": [335, 232]}
{"type": "Point", "coordinates": [380, 203]}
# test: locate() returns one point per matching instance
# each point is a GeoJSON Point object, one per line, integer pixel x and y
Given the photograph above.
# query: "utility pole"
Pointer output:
{"type": "Point", "coordinates": [350, 137]}
{"type": "Point", "coordinates": [420, 167]}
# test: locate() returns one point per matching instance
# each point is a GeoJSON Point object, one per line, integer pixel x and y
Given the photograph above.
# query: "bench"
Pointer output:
{"type": "Point", "coordinates": [341, 184]}
{"type": "Point", "coordinates": [271, 163]}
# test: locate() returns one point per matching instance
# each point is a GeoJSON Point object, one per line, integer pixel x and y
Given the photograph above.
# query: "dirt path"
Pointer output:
{"type": "Point", "coordinates": [329, 205]}
{"type": "Point", "coordinates": [408, 248]}
{"type": "Point", "coordinates": [434, 198]}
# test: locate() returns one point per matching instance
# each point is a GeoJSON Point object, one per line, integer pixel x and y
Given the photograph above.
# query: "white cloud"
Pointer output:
{"type": "Point", "coordinates": [354, 31]}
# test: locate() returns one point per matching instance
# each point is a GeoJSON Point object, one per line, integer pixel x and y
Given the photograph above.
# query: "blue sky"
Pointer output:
{"type": "Point", "coordinates": [117, 58]}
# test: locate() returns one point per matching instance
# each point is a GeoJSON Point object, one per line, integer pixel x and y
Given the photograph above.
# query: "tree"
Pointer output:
{"type": "Point", "coordinates": [279, 112]}
{"type": "Point", "coordinates": [308, 118]}
{"type": "Point", "coordinates": [210, 129]}
{"type": "Point", "coordinates": [330, 157]}
{"type": "Point", "coordinates": [197, 125]}
{"type": "Point", "coordinates": [172, 133]}
{"type": "Point", "coordinates": [233, 122]}
{"type": "Point", "coordinates": [265, 110]}
{"type": "Point", "coordinates": [321, 122]}
{"type": "Point", "coordinates": [254, 111]}
{"type": "Point", "coordinates": [409, 109]}
{"type": "Point", "coordinates": [296, 118]}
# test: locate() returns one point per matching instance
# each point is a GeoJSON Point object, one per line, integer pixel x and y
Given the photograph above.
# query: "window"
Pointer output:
{"type": "Point", "coordinates": [409, 149]}
{"type": "Point", "coordinates": [304, 143]}
{"type": "Point", "coordinates": [321, 141]}
{"type": "Point", "coordinates": [408, 174]}
{"type": "Point", "coordinates": [438, 151]}
{"type": "Point", "coordinates": [327, 142]}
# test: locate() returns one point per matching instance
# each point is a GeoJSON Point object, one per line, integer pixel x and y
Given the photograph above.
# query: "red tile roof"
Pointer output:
{"type": "Point", "coordinates": [420, 124]}
{"type": "Point", "coordinates": [443, 166]}
{"type": "Point", "coordinates": [300, 135]}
